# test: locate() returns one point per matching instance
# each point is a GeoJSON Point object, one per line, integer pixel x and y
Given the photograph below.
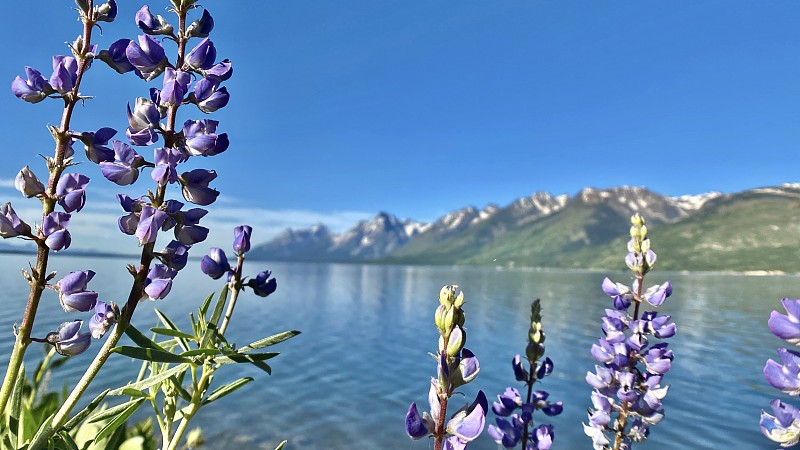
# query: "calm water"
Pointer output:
{"type": "Point", "coordinates": [347, 381]}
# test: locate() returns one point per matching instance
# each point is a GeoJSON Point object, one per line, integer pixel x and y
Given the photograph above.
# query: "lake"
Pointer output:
{"type": "Point", "coordinates": [347, 381]}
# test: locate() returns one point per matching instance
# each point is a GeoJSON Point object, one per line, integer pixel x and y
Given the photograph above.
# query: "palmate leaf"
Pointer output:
{"type": "Point", "coordinates": [272, 340]}
{"type": "Point", "coordinates": [222, 391]}
{"type": "Point", "coordinates": [149, 354]}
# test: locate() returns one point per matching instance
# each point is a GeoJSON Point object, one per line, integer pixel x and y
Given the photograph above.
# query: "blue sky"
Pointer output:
{"type": "Point", "coordinates": [341, 109]}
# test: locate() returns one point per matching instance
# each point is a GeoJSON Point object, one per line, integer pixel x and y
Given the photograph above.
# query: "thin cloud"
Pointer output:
{"type": "Point", "coordinates": [6, 183]}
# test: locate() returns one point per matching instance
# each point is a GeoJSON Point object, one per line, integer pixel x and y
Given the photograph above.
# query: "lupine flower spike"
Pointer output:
{"type": "Point", "coordinates": [783, 425]}
{"type": "Point", "coordinates": [514, 424]}
{"type": "Point", "coordinates": [627, 381]}
{"type": "Point", "coordinates": [456, 366]}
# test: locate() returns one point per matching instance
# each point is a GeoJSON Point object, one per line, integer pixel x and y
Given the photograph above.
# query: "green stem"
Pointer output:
{"type": "Point", "coordinates": [236, 287]}
{"type": "Point", "coordinates": [194, 406]}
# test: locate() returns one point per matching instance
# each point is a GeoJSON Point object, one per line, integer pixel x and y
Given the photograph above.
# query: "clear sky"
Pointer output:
{"type": "Point", "coordinates": [340, 109]}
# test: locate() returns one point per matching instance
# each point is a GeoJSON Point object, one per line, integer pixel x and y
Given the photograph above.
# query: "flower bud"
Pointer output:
{"type": "Point", "coordinates": [201, 27]}
{"type": "Point", "coordinates": [446, 295]}
{"type": "Point", "coordinates": [241, 239]}
{"type": "Point", "coordinates": [459, 301]}
{"type": "Point", "coordinates": [151, 24]}
{"type": "Point", "coordinates": [106, 12]}
{"type": "Point", "coordinates": [637, 220]}
{"type": "Point", "coordinates": [449, 318]}
{"type": "Point", "coordinates": [27, 183]}
{"type": "Point", "coordinates": [69, 341]}
{"type": "Point", "coordinates": [441, 310]}
{"type": "Point", "coordinates": [456, 342]}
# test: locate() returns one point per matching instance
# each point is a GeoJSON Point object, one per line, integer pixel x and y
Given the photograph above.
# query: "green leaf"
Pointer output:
{"type": "Point", "coordinates": [249, 357]}
{"type": "Point", "coordinates": [151, 381]}
{"type": "Point", "coordinates": [14, 423]}
{"type": "Point", "coordinates": [44, 427]}
{"type": "Point", "coordinates": [149, 354]}
{"type": "Point", "coordinates": [206, 304]}
{"type": "Point", "coordinates": [113, 411]}
{"type": "Point", "coordinates": [222, 391]}
{"type": "Point", "coordinates": [272, 340]}
{"type": "Point", "coordinates": [202, 351]}
{"type": "Point", "coordinates": [135, 393]}
{"type": "Point", "coordinates": [183, 393]}
{"type": "Point", "coordinates": [281, 445]}
{"type": "Point", "coordinates": [69, 443]}
{"type": "Point", "coordinates": [223, 296]}
{"type": "Point", "coordinates": [209, 337]}
{"type": "Point", "coordinates": [171, 332]}
{"type": "Point", "coordinates": [84, 413]}
{"type": "Point", "coordinates": [182, 342]}
{"type": "Point", "coordinates": [120, 419]}
{"type": "Point", "coordinates": [140, 339]}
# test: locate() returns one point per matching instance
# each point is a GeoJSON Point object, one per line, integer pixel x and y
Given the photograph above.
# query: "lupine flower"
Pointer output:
{"type": "Point", "coordinates": [150, 221]}
{"type": "Point", "coordinates": [159, 281]}
{"type": "Point", "coordinates": [32, 90]}
{"type": "Point", "coordinates": [71, 191]}
{"type": "Point", "coordinates": [72, 291]}
{"type": "Point", "coordinates": [65, 74]}
{"type": "Point", "coordinates": [10, 223]}
{"type": "Point", "coordinates": [175, 255]}
{"type": "Point", "coordinates": [202, 56]}
{"type": "Point", "coordinates": [208, 96]}
{"type": "Point", "coordinates": [96, 144]}
{"type": "Point", "coordinates": [176, 85]}
{"type": "Point", "coordinates": [104, 316]}
{"type": "Point", "coordinates": [69, 341]}
{"type": "Point", "coordinates": [54, 227]}
{"type": "Point", "coordinates": [129, 222]}
{"type": "Point", "coordinates": [201, 27]}
{"type": "Point", "coordinates": [27, 183]}
{"type": "Point", "coordinates": [221, 71]}
{"type": "Point", "coordinates": [188, 229]}
{"type": "Point", "coordinates": [115, 56]}
{"type": "Point", "coordinates": [147, 57]}
{"type": "Point", "coordinates": [241, 239]}
{"type": "Point", "coordinates": [786, 327]}
{"type": "Point", "coordinates": [125, 168]}
{"type": "Point", "coordinates": [151, 24]}
{"type": "Point", "coordinates": [215, 264]}
{"type": "Point", "coordinates": [785, 377]}
{"type": "Point", "coordinates": [167, 159]}
{"type": "Point", "coordinates": [142, 122]}
{"type": "Point", "coordinates": [201, 138]}
{"type": "Point", "coordinates": [262, 285]}
{"type": "Point", "coordinates": [106, 12]}
{"type": "Point", "coordinates": [784, 426]}
{"type": "Point", "coordinates": [195, 186]}
{"type": "Point", "coordinates": [628, 383]}
{"type": "Point", "coordinates": [465, 425]}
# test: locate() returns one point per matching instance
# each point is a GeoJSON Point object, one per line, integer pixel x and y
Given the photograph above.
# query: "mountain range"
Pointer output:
{"type": "Point", "coordinates": [753, 230]}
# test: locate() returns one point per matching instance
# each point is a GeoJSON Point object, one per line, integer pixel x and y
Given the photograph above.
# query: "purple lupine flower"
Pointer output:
{"type": "Point", "coordinates": [785, 377]}
{"type": "Point", "coordinates": [175, 255]}
{"type": "Point", "coordinates": [201, 27]}
{"type": "Point", "coordinates": [32, 90]}
{"type": "Point", "coordinates": [464, 426]}
{"type": "Point", "coordinates": [96, 144]}
{"type": "Point", "coordinates": [241, 239]}
{"type": "Point", "coordinates": [10, 223]}
{"type": "Point", "coordinates": [27, 183]}
{"type": "Point", "coordinates": [125, 168]}
{"type": "Point", "coordinates": [106, 12]}
{"type": "Point", "coordinates": [656, 295]}
{"type": "Point", "coordinates": [195, 186]}
{"type": "Point", "coordinates": [104, 316]}
{"type": "Point", "coordinates": [621, 294]}
{"type": "Point", "coordinates": [69, 341]}
{"type": "Point", "coordinates": [166, 160]}
{"type": "Point", "coordinates": [188, 229]}
{"type": "Point", "coordinates": [115, 56]}
{"type": "Point", "coordinates": [508, 402]}
{"type": "Point", "coordinates": [65, 74]}
{"type": "Point", "coordinates": [73, 293]}
{"type": "Point", "coordinates": [786, 327]}
{"type": "Point", "coordinates": [71, 191]}
{"type": "Point", "coordinates": [150, 221]}
{"type": "Point", "coordinates": [221, 71]}
{"type": "Point", "coordinates": [262, 285]}
{"type": "Point", "coordinates": [159, 281]}
{"type": "Point", "coordinates": [176, 85]}
{"type": "Point", "coordinates": [54, 227]}
{"type": "Point", "coordinates": [202, 55]}
{"type": "Point", "coordinates": [201, 138]}
{"type": "Point", "coordinates": [147, 56]}
{"type": "Point", "coordinates": [129, 222]}
{"type": "Point", "coordinates": [215, 264]}
{"type": "Point", "coordinates": [151, 24]}
{"type": "Point", "coordinates": [784, 426]}
{"type": "Point", "coordinates": [506, 433]}
{"type": "Point", "coordinates": [208, 96]}
{"type": "Point", "coordinates": [418, 426]}
{"type": "Point", "coordinates": [143, 121]}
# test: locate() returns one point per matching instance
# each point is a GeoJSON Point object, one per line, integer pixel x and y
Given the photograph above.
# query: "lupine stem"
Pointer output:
{"type": "Point", "coordinates": [531, 379]}
{"type": "Point", "coordinates": [438, 440]}
{"type": "Point", "coordinates": [623, 414]}
{"type": "Point", "coordinates": [194, 406]}
{"type": "Point", "coordinates": [39, 277]}
{"type": "Point", "coordinates": [236, 287]}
